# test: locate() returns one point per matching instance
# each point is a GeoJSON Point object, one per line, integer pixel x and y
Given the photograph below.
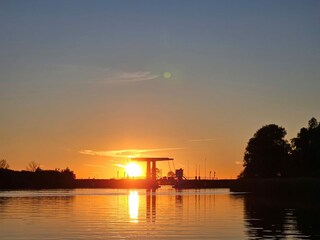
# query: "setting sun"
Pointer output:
{"type": "Point", "coordinates": [133, 169]}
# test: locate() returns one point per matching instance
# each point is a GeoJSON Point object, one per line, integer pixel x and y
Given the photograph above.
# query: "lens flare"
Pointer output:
{"type": "Point", "coordinates": [167, 75]}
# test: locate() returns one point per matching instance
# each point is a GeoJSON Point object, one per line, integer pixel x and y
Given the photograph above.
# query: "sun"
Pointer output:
{"type": "Point", "coordinates": [167, 75]}
{"type": "Point", "coordinates": [133, 169]}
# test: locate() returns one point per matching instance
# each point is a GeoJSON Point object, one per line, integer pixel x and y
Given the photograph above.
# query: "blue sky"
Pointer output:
{"type": "Point", "coordinates": [88, 75]}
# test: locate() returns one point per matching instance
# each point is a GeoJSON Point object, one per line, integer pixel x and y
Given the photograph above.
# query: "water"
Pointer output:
{"type": "Point", "coordinates": [166, 214]}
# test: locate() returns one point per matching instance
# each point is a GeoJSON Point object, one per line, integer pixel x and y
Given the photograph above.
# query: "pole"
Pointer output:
{"type": "Point", "coordinates": [148, 175]}
{"type": "Point", "coordinates": [154, 172]}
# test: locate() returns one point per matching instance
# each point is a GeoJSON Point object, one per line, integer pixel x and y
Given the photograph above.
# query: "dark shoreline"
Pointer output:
{"type": "Point", "coordinates": [54, 179]}
{"type": "Point", "coordinates": [287, 187]}
{"type": "Point", "coordinates": [293, 187]}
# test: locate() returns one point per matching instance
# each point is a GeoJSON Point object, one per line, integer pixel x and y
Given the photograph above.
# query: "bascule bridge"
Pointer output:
{"type": "Point", "coordinates": [151, 166]}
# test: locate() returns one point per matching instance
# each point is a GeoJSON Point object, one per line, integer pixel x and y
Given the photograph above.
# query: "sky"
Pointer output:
{"type": "Point", "coordinates": [85, 84]}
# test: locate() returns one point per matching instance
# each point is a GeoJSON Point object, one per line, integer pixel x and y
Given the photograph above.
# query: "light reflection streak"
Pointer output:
{"type": "Point", "coordinates": [133, 206]}
{"type": "Point", "coordinates": [151, 203]}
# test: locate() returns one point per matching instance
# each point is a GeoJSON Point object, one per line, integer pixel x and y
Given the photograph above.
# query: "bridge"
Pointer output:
{"type": "Point", "coordinates": [151, 174]}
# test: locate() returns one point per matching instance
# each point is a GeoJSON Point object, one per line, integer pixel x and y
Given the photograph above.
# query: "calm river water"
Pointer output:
{"type": "Point", "coordinates": [165, 214]}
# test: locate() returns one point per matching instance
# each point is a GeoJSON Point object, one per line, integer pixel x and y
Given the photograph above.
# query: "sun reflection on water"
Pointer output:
{"type": "Point", "coordinates": [133, 206]}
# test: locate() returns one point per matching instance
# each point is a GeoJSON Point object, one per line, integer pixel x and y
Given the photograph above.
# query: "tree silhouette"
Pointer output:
{"type": "Point", "coordinates": [266, 153]}
{"type": "Point", "coordinates": [4, 164]}
{"type": "Point", "coordinates": [306, 150]}
{"type": "Point", "coordinates": [68, 173]}
{"type": "Point", "coordinates": [33, 166]}
{"type": "Point", "coordinates": [171, 174]}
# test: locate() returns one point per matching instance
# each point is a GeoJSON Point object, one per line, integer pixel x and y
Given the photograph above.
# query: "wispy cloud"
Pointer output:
{"type": "Point", "coordinates": [239, 162]}
{"type": "Point", "coordinates": [94, 165]}
{"type": "Point", "coordinates": [131, 77]}
{"type": "Point", "coordinates": [205, 139]}
{"type": "Point", "coordinates": [104, 74]}
{"type": "Point", "coordinates": [125, 153]}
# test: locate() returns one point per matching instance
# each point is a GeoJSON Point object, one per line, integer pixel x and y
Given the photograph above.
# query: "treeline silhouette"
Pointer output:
{"type": "Point", "coordinates": [35, 178]}
{"type": "Point", "coordinates": [269, 155]}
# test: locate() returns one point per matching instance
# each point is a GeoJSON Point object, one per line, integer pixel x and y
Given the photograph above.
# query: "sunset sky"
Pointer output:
{"type": "Point", "coordinates": [84, 84]}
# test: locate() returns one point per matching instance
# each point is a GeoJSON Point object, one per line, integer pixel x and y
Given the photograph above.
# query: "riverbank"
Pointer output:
{"type": "Point", "coordinates": [187, 184]}
{"type": "Point", "coordinates": [115, 183]}
{"type": "Point", "coordinates": [295, 187]}
{"type": "Point", "coordinates": [54, 179]}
